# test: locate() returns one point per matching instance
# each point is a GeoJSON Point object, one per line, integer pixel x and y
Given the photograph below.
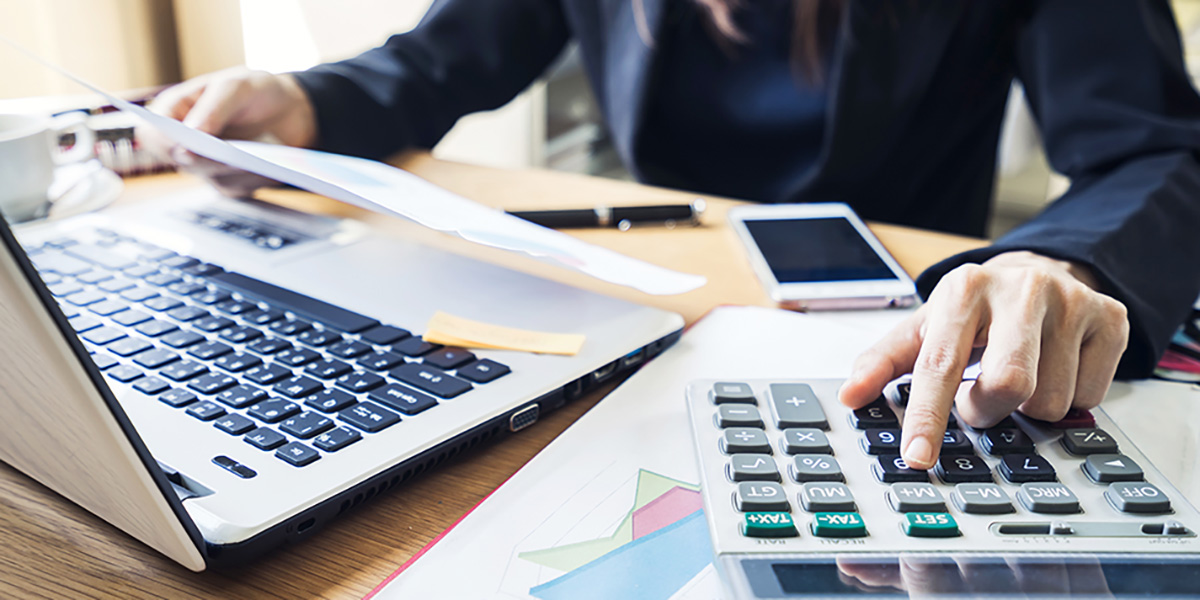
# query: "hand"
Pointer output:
{"type": "Point", "coordinates": [1052, 342]}
{"type": "Point", "coordinates": [236, 104]}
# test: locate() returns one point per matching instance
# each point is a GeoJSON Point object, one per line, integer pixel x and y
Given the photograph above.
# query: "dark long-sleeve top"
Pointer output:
{"type": "Point", "coordinates": [915, 96]}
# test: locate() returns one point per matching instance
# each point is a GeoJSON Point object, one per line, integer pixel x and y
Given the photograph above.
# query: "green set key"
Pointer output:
{"type": "Point", "coordinates": [838, 525]}
{"type": "Point", "coordinates": [921, 524]}
{"type": "Point", "coordinates": [769, 525]}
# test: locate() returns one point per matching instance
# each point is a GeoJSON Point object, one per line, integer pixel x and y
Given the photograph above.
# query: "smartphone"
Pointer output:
{"type": "Point", "coordinates": [820, 256]}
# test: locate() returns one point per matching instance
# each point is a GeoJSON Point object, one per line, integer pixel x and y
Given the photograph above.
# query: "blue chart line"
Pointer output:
{"type": "Point", "coordinates": [652, 567]}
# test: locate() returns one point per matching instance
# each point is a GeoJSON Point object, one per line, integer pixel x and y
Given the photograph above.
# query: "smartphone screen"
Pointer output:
{"type": "Point", "coordinates": [815, 250]}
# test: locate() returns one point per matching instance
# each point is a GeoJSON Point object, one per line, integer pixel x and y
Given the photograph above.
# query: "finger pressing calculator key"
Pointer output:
{"type": "Point", "coordinates": [805, 496]}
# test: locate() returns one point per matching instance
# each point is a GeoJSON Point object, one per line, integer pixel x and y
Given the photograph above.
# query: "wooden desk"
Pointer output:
{"type": "Point", "coordinates": [51, 548]}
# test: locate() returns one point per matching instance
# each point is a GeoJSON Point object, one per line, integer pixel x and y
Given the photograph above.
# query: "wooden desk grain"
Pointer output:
{"type": "Point", "coordinates": [49, 548]}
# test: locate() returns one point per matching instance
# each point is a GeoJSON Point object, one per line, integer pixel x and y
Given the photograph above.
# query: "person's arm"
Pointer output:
{"type": "Point", "coordinates": [1118, 115]}
{"type": "Point", "coordinates": [1055, 300]}
{"type": "Point", "coordinates": [464, 56]}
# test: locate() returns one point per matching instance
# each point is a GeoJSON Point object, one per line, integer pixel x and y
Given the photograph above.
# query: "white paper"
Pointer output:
{"type": "Point", "coordinates": [581, 485]}
{"type": "Point", "coordinates": [382, 188]}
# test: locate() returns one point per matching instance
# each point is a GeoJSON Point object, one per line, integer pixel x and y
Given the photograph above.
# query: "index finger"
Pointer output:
{"type": "Point", "coordinates": [937, 373]}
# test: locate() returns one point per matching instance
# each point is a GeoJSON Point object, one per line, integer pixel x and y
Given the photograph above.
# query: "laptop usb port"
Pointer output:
{"type": "Point", "coordinates": [605, 372]}
{"type": "Point", "coordinates": [632, 359]}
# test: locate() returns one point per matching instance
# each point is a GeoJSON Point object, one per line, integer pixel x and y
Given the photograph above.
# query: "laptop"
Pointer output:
{"type": "Point", "coordinates": [218, 378]}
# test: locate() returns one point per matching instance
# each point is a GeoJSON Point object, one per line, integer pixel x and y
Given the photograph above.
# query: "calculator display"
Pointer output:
{"type": "Point", "coordinates": [1119, 576]}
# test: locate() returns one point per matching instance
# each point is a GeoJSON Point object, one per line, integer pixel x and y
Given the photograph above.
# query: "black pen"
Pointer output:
{"type": "Point", "coordinates": [621, 217]}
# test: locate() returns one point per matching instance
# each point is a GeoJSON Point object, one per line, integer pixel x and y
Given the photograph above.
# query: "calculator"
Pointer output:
{"type": "Point", "coordinates": [806, 498]}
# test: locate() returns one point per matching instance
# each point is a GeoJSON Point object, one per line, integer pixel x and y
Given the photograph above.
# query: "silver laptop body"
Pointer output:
{"type": "Point", "coordinates": [194, 486]}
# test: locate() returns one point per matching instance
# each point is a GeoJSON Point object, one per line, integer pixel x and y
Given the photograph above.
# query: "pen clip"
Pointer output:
{"type": "Point", "coordinates": [698, 207]}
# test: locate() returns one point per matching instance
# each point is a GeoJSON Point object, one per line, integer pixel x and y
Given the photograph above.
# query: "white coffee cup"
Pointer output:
{"type": "Point", "coordinates": [29, 155]}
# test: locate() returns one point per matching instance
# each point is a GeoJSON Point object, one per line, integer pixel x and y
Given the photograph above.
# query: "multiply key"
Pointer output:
{"type": "Point", "coordinates": [797, 406]}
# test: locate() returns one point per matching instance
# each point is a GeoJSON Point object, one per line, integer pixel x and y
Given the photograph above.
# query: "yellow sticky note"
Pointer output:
{"type": "Point", "coordinates": [450, 330]}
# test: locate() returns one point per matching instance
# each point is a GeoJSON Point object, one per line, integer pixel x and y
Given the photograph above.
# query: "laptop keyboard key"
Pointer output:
{"type": "Point", "coordinates": [297, 454]}
{"type": "Point", "coordinates": [236, 307]}
{"type": "Point", "coordinates": [234, 424]}
{"type": "Point", "coordinates": [128, 347]}
{"type": "Point", "coordinates": [403, 399]}
{"type": "Point", "coordinates": [241, 335]}
{"type": "Point", "coordinates": [328, 369]}
{"type": "Point", "coordinates": [155, 328]}
{"type": "Point", "coordinates": [431, 379]}
{"type": "Point", "coordinates": [162, 304]}
{"type": "Point", "coordinates": [210, 350]}
{"type": "Point", "coordinates": [104, 361]}
{"type": "Point", "coordinates": [124, 373]}
{"type": "Point", "coordinates": [86, 298]}
{"type": "Point", "coordinates": [306, 425]}
{"type": "Point", "coordinates": [297, 357]}
{"type": "Point", "coordinates": [106, 308]}
{"type": "Point", "coordinates": [304, 306]}
{"type": "Point", "coordinates": [349, 349]}
{"type": "Point", "coordinates": [298, 386]}
{"type": "Point", "coordinates": [385, 335]}
{"type": "Point", "coordinates": [187, 288]}
{"type": "Point", "coordinates": [205, 410]}
{"type": "Point", "coordinates": [318, 338]}
{"type": "Point", "coordinates": [483, 370]}
{"type": "Point", "coordinates": [156, 358]}
{"type": "Point", "coordinates": [94, 277]}
{"type": "Point", "coordinates": [269, 346]}
{"type": "Point", "coordinates": [369, 417]}
{"type": "Point", "coordinates": [213, 324]}
{"type": "Point", "coordinates": [138, 294]}
{"type": "Point", "coordinates": [237, 362]}
{"type": "Point", "coordinates": [263, 317]}
{"type": "Point", "coordinates": [177, 398]}
{"type": "Point", "coordinates": [182, 339]}
{"type": "Point", "coordinates": [359, 381]}
{"type": "Point", "coordinates": [162, 279]}
{"type": "Point", "coordinates": [380, 361]}
{"type": "Point", "coordinates": [265, 438]}
{"type": "Point", "coordinates": [273, 411]}
{"type": "Point", "coordinates": [84, 323]}
{"type": "Point", "coordinates": [187, 313]}
{"type": "Point", "coordinates": [290, 327]}
{"type": "Point", "coordinates": [268, 374]}
{"type": "Point", "coordinates": [414, 346]}
{"type": "Point", "coordinates": [336, 439]}
{"type": "Point", "coordinates": [103, 335]}
{"type": "Point", "coordinates": [183, 370]}
{"type": "Point", "coordinates": [240, 396]}
{"type": "Point", "coordinates": [129, 318]}
{"type": "Point", "coordinates": [211, 297]}
{"type": "Point", "coordinates": [151, 386]}
{"type": "Point", "coordinates": [64, 288]}
{"type": "Point", "coordinates": [449, 358]}
{"type": "Point", "coordinates": [212, 383]}
{"type": "Point", "coordinates": [330, 400]}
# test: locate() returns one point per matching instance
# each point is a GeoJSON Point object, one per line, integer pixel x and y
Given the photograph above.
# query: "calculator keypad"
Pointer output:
{"type": "Point", "coordinates": [792, 469]}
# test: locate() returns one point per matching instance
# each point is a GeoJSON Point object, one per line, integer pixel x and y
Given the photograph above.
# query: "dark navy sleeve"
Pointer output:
{"type": "Point", "coordinates": [1118, 115]}
{"type": "Point", "coordinates": [464, 56]}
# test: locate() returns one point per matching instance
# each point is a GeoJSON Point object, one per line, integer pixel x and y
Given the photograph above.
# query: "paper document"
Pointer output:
{"type": "Point", "coordinates": [382, 188]}
{"type": "Point", "coordinates": [611, 509]}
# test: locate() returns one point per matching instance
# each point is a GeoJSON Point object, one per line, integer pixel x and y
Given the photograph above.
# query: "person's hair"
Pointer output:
{"type": "Point", "coordinates": [814, 24]}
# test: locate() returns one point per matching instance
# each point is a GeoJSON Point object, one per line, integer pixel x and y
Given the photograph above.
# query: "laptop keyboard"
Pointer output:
{"type": "Point", "coordinates": [288, 373]}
